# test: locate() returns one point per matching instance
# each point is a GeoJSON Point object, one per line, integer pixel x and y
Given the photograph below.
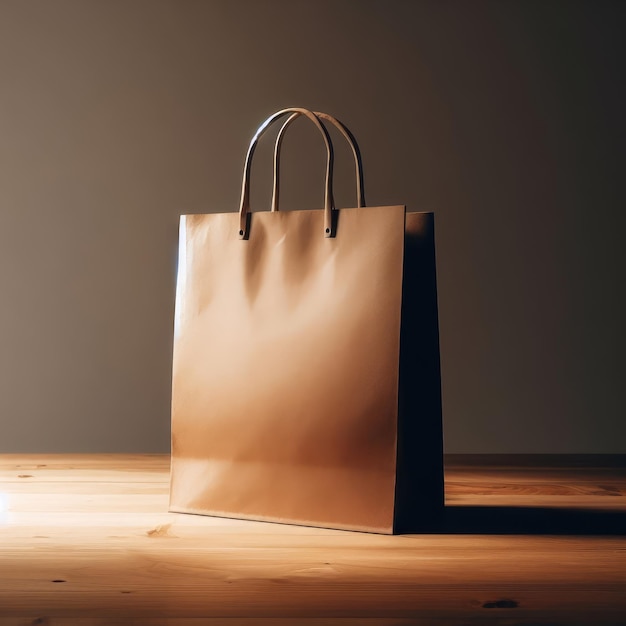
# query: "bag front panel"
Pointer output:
{"type": "Point", "coordinates": [285, 376]}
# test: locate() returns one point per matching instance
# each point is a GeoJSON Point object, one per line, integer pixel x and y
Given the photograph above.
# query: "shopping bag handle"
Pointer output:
{"type": "Point", "coordinates": [244, 208]}
{"type": "Point", "coordinates": [345, 131]}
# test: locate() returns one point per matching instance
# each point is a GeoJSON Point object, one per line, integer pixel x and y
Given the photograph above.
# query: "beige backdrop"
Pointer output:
{"type": "Point", "coordinates": [506, 119]}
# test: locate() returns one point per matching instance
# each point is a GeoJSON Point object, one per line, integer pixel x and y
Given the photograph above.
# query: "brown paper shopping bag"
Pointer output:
{"type": "Point", "coordinates": [306, 384]}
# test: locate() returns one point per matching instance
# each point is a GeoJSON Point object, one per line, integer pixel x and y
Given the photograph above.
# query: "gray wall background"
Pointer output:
{"type": "Point", "coordinates": [505, 118]}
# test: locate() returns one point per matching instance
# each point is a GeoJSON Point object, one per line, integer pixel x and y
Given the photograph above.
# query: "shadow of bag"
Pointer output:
{"type": "Point", "coordinates": [306, 384]}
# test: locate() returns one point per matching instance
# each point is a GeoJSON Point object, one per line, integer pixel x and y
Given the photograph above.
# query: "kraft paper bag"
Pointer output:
{"type": "Point", "coordinates": [306, 384]}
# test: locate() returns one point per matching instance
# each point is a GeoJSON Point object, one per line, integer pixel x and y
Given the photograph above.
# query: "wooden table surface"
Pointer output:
{"type": "Point", "coordinates": [87, 540]}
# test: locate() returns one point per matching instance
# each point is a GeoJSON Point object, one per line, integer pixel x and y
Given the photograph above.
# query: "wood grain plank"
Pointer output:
{"type": "Point", "coordinates": [502, 617]}
{"type": "Point", "coordinates": [88, 540]}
